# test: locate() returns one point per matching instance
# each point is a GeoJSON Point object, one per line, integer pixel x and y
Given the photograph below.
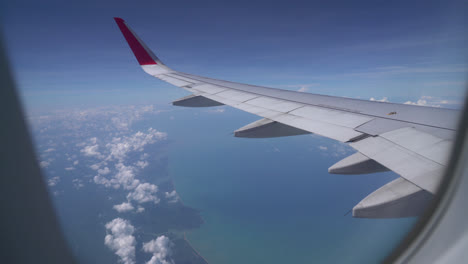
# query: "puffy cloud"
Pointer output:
{"type": "Point", "coordinates": [336, 150]}
{"type": "Point", "coordinates": [104, 171]}
{"type": "Point", "coordinates": [300, 87]}
{"type": "Point", "coordinates": [49, 150]}
{"type": "Point", "coordinates": [69, 168]}
{"type": "Point", "coordinates": [341, 149]}
{"type": "Point", "coordinates": [91, 151]}
{"type": "Point", "coordinates": [216, 110]}
{"type": "Point", "coordinates": [161, 248]}
{"type": "Point", "coordinates": [98, 179]}
{"type": "Point", "coordinates": [385, 99]}
{"type": "Point", "coordinates": [421, 102]}
{"type": "Point", "coordinates": [172, 197]}
{"type": "Point", "coordinates": [143, 193]}
{"type": "Point", "coordinates": [93, 140]}
{"type": "Point", "coordinates": [140, 209]}
{"type": "Point", "coordinates": [95, 166]}
{"type": "Point", "coordinates": [123, 207]}
{"type": "Point", "coordinates": [125, 177]}
{"type": "Point", "coordinates": [117, 155]}
{"type": "Point", "coordinates": [141, 164]}
{"type": "Point", "coordinates": [84, 122]}
{"type": "Point", "coordinates": [433, 101]}
{"type": "Point", "coordinates": [120, 239]}
{"type": "Point", "coordinates": [44, 164]}
{"type": "Point", "coordinates": [119, 147]}
{"type": "Point", "coordinates": [77, 183]}
{"type": "Point", "coordinates": [53, 181]}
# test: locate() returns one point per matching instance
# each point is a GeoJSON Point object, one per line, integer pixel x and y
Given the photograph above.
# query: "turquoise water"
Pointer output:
{"type": "Point", "coordinates": [272, 200]}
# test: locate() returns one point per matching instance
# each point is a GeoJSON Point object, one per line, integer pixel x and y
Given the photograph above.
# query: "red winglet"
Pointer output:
{"type": "Point", "coordinates": [143, 56]}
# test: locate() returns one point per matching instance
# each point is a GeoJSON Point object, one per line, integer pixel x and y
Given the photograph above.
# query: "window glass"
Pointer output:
{"type": "Point", "coordinates": [134, 179]}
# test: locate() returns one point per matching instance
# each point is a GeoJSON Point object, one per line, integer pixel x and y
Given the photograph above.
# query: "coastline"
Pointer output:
{"type": "Point", "coordinates": [185, 236]}
{"type": "Point", "coordinates": [194, 250]}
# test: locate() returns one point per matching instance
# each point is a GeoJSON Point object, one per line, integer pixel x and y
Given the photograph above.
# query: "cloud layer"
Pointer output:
{"type": "Point", "coordinates": [115, 153]}
{"type": "Point", "coordinates": [103, 144]}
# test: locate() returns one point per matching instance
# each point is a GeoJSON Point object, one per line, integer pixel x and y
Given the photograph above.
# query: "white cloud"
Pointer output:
{"type": "Point", "coordinates": [300, 87]}
{"type": "Point", "coordinates": [217, 110]}
{"type": "Point", "coordinates": [125, 177]}
{"type": "Point", "coordinates": [91, 151]}
{"type": "Point", "coordinates": [141, 164]}
{"type": "Point", "coordinates": [384, 99]}
{"type": "Point", "coordinates": [77, 183]}
{"type": "Point", "coordinates": [121, 146]}
{"type": "Point", "coordinates": [93, 140]}
{"type": "Point", "coordinates": [104, 171]}
{"type": "Point", "coordinates": [53, 181]}
{"type": "Point", "coordinates": [95, 166]}
{"type": "Point", "coordinates": [49, 150]}
{"type": "Point", "coordinates": [120, 239]}
{"type": "Point", "coordinates": [69, 168]}
{"type": "Point", "coordinates": [140, 209]}
{"type": "Point", "coordinates": [161, 248]}
{"type": "Point", "coordinates": [336, 150]}
{"type": "Point", "coordinates": [144, 192]}
{"type": "Point", "coordinates": [419, 102]}
{"type": "Point", "coordinates": [44, 164]}
{"type": "Point", "coordinates": [123, 207]}
{"type": "Point", "coordinates": [426, 100]}
{"type": "Point", "coordinates": [98, 179]}
{"type": "Point", "coordinates": [109, 154]}
{"type": "Point", "coordinates": [303, 89]}
{"type": "Point", "coordinates": [172, 197]}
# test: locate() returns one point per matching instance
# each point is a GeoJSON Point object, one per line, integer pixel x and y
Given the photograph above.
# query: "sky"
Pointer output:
{"type": "Point", "coordinates": [72, 54]}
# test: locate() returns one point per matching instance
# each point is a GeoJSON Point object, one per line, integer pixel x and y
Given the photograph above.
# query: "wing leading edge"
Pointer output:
{"type": "Point", "coordinates": [410, 140]}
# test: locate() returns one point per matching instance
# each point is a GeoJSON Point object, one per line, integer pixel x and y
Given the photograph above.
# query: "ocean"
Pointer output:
{"type": "Point", "coordinates": [273, 200]}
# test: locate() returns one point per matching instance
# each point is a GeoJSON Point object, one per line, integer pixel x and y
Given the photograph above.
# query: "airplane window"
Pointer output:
{"type": "Point", "coordinates": [160, 140]}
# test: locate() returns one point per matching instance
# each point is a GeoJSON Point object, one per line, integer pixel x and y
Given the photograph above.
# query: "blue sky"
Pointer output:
{"type": "Point", "coordinates": [72, 54]}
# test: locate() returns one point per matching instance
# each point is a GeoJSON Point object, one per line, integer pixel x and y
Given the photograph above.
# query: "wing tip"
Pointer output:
{"type": "Point", "coordinates": [143, 55]}
{"type": "Point", "coordinates": [118, 19]}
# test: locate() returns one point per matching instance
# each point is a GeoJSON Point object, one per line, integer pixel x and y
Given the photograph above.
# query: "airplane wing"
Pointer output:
{"type": "Point", "coordinates": [413, 141]}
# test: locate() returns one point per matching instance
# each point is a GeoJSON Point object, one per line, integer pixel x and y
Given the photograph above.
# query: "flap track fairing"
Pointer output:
{"type": "Point", "coordinates": [195, 101]}
{"type": "Point", "coordinates": [266, 128]}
